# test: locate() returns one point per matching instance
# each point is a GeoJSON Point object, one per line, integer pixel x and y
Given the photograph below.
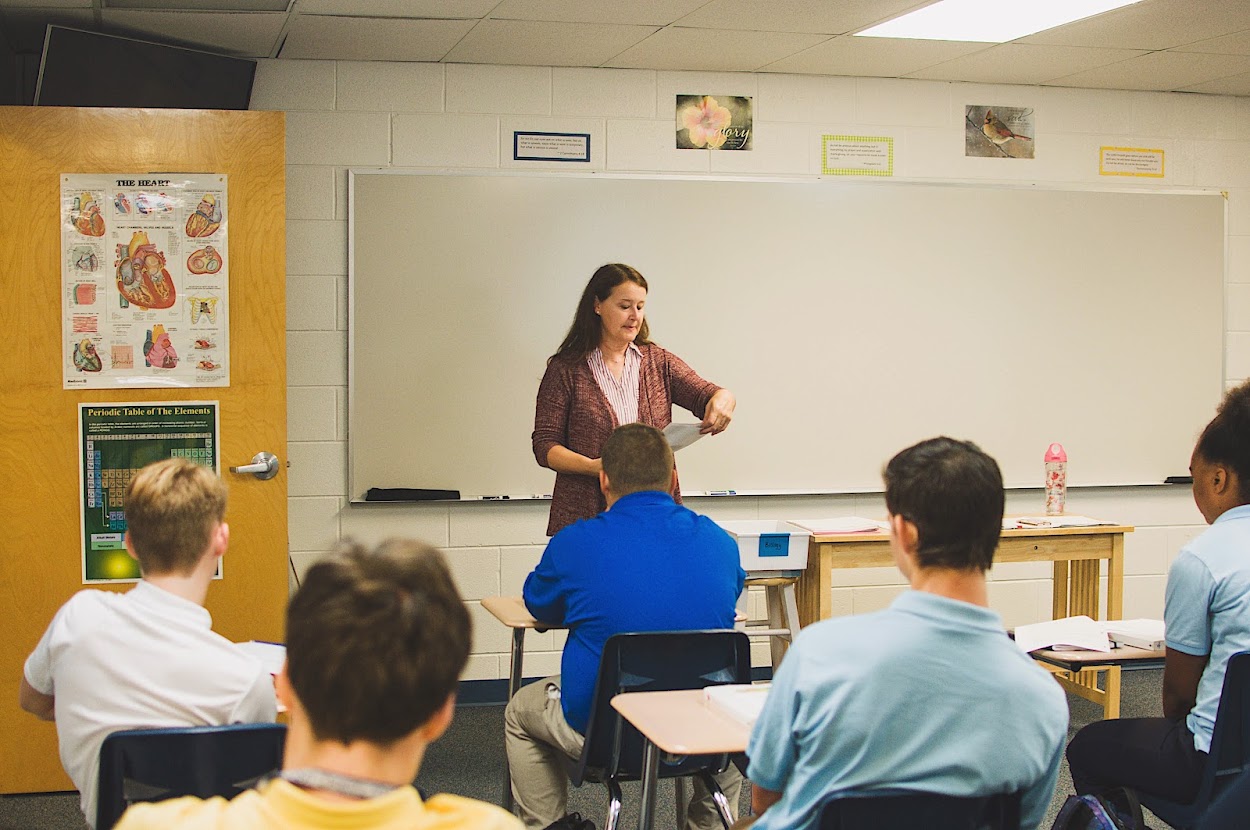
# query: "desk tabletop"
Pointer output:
{"type": "Point", "coordinates": [682, 723]}
{"type": "Point", "coordinates": [511, 611]}
{"type": "Point", "coordinates": [883, 536]}
{"type": "Point", "coordinates": [1077, 660]}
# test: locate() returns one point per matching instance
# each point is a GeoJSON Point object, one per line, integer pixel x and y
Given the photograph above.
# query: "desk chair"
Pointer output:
{"type": "Point", "coordinates": [155, 764]}
{"type": "Point", "coordinates": [931, 811]}
{"type": "Point", "coordinates": [655, 662]}
{"type": "Point", "coordinates": [1230, 749]}
{"type": "Point", "coordinates": [1229, 811]}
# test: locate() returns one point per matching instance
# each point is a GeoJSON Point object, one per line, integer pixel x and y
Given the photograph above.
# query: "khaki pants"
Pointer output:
{"type": "Point", "coordinates": [539, 740]}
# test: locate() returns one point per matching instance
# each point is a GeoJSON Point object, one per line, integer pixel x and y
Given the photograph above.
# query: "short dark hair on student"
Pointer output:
{"type": "Point", "coordinates": [376, 641]}
{"type": "Point", "coordinates": [1226, 440]}
{"type": "Point", "coordinates": [637, 457]}
{"type": "Point", "coordinates": [172, 508]}
{"type": "Point", "coordinates": [953, 493]}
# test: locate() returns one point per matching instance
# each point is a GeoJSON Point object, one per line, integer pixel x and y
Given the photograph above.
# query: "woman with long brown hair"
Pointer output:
{"type": "Point", "coordinates": [607, 372]}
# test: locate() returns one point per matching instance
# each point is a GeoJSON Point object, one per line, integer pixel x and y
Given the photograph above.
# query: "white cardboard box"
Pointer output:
{"type": "Point", "coordinates": [769, 545]}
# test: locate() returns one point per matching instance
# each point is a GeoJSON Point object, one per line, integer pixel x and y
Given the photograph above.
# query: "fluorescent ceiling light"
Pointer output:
{"type": "Point", "coordinates": [989, 21]}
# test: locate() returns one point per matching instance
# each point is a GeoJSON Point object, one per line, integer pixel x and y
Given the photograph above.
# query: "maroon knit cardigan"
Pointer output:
{"type": "Point", "coordinates": [572, 411]}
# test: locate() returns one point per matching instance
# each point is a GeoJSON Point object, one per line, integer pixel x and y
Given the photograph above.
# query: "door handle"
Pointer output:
{"type": "Point", "coordinates": [264, 466]}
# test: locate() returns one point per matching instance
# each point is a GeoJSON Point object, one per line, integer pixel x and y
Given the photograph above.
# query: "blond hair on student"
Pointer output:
{"type": "Point", "coordinates": [173, 508]}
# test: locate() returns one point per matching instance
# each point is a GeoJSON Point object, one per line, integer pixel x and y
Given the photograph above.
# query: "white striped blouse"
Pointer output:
{"type": "Point", "coordinates": [622, 394]}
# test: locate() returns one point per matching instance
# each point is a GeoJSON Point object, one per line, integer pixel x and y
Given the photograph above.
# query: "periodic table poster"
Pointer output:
{"type": "Point", "coordinates": [145, 273]}
{"type": "Point", "coordinates": [115, 442]}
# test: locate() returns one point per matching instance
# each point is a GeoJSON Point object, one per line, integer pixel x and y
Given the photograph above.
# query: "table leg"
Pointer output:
{"type": "Point", "coordinates": [1111, 687]}
{"type": "Point", "coordinates": [815, 585]}
{"type": "Point", "coordinates": [1115, 579]}
{"type": "Point", "coordinates": [650, 783]}
{"type": "Point", "coordinates": [1059, 591]}
{"type": "Point", "coordinates": [514, 684]}
{"type": "Point", "coordinates": [518, 656]}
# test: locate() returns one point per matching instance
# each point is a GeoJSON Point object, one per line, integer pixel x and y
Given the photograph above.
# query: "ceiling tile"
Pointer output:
{"type": "Point", "coordinates": [448, 9]}
{"type": "Point", "coordinates": [1158, 71]}
{"type": "Point", "coordinates": [818, 16]}
{"type": "Point", "coordinates": [372, 38]}
{"type": "Point", "coordinates": [45, 4]}
{"type": "Point", "coordinates": [248, 35]}
{"type": "Point", "coordinates": [1233, 85]}
{"type": "Point", "coordinates": [200, 5]}
{"type": "Point", "coordinates": [712, 50]}
{"type": "Point", "coordinates": [1153, 24]}
{"type": "Point", "coordinates": [1019, 63]}
{"type": "Point", "coordinates": [530, 43]}
{"type": "Point", "coordinates": [873, 56]}
{"type": "Point", "coordinates": [639, 12]}
{"type": "Point", "coordinates": [24, 28]}
{"type": "Point", "coordinates": [1237, 43]}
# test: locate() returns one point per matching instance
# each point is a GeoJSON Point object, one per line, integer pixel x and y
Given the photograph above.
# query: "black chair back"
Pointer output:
{"type": "Point", "coordinates": [1230, 748]}
{"type": "Point", "coordinates": [931, 811]}
{"type": "Point", "coordinates": [204, 761]}
{"type": "Point", "coordinates": [651, 662]}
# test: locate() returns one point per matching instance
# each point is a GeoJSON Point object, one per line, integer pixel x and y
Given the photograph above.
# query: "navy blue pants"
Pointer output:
{"type": "Point", "coordinates": [1151, 755]}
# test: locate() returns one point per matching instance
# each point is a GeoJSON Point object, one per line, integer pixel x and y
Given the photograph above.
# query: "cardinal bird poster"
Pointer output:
{"type": "Point", "coordinates": [998, 132]}
{"type": "Point", "coordinates": [145, 275]}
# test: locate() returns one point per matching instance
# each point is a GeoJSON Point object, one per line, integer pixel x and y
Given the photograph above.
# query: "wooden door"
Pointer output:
{"type": "Point", "coordinates": [40, 563]}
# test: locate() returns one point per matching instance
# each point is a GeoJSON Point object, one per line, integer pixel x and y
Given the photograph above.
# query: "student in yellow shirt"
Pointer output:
{"type": "Point", "coordinates": [376, 641]}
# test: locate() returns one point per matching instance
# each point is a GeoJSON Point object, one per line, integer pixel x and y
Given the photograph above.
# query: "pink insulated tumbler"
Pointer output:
{"type": "Point", "coordinates": [1056, 479]}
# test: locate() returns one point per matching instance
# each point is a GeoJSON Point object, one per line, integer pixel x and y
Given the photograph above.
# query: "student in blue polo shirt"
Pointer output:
{"type": "Point", "coordinates": [645, 564]}
{"type": "Point", "coordinates": [1207, 616]}
{"type": "Point", "coordinates": [928, 695]}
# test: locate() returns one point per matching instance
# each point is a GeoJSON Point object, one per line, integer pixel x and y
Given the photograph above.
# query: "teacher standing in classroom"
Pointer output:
{"type": "Point", "coordinates": [607, 372]}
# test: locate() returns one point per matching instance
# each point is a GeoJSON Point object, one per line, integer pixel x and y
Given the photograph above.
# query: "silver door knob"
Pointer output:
{"type": "Point", "coordinates": [264, 466]}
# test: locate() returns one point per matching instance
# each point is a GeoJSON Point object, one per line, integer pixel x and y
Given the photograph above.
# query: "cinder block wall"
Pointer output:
{"type": "Point", "coordinates": [430, 116]}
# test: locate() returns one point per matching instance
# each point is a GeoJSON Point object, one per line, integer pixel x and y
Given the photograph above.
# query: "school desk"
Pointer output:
{"type": "Point", "coordinates": [679, 723]}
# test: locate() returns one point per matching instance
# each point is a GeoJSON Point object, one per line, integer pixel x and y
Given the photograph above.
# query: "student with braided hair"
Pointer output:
{"type": "Point", "coordinates": [1207, 616]}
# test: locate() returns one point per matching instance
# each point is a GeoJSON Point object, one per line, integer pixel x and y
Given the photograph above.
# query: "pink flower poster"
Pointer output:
{"type": "Point", "coordinates": [713, 122]}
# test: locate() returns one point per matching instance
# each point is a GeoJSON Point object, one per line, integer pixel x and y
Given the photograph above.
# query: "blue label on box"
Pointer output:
{"type": "Point", "coordinates": [774, 544]}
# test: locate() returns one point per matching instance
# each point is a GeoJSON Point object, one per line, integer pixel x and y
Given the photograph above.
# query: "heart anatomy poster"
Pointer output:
{"type": "Point", "coordinates": [145, 277]}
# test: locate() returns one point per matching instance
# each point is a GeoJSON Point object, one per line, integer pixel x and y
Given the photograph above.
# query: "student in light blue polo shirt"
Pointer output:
{"type": "Point", "coordinates": [928, 695]}
{"type": "Point", "coordinates": [1207, 616]}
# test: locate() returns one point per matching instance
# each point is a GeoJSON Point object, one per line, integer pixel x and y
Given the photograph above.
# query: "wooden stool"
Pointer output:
{"type": "Point", "coordinates": [783, 613]}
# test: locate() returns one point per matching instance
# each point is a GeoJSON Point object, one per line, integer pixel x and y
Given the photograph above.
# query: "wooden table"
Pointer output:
{"type": "Point", "coordinates": [1076, 552]}
{"type": "Point", "coordinates": [679, 723]}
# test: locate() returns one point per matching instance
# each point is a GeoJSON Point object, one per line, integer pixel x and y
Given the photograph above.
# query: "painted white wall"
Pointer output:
{"type": "Point", "coordinates": [406, 115]}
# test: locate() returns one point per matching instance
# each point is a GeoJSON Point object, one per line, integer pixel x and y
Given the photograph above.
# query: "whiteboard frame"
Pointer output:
{"type": "Point", "coordinates": [356, 497]}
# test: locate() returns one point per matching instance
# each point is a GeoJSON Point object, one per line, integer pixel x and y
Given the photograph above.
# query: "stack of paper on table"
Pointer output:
{"type": "Point", "coordinates": [1082, 633]}
{"type": "Point", "coordinates": [840, 524]}
{"type": "Point", "coordinates": [1140, 633]}
{"type": "Point", "coordinates": [741, 701]}
{"type": "Point", "coordinates": [1061, 521]}
{"type": "Point", "coordinates": [271, 655]}
{"type": "Point", "coordinates": [1069, 634]}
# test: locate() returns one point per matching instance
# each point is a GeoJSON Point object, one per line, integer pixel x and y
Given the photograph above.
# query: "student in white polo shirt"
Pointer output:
{"type": "Point", "coordinates": [148, 657]}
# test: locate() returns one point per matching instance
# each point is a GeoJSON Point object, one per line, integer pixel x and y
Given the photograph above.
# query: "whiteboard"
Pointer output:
{"type": "Point", "coordinates": [850, 320]}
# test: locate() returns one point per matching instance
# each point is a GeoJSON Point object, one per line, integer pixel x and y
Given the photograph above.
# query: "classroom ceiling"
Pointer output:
{"type": "Point", "coordinates": [1168, 45]}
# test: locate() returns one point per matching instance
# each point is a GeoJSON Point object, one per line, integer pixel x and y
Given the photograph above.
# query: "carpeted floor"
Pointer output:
{"type": "Point", "coordinates": [469, 761]}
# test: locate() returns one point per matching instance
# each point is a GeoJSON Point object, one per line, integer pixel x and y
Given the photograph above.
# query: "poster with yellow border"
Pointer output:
{"type": "Point", "coordinates": [856, 155]}
{"type": "Point", "coordinates": [1130, 161]}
